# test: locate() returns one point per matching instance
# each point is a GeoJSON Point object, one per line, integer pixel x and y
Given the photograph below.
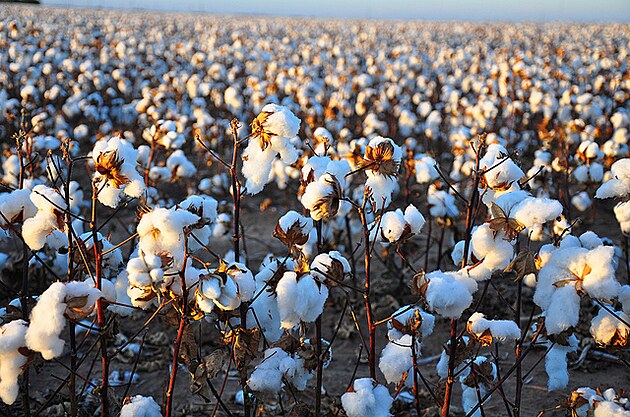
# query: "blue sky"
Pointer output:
{"type": "Point", "coordinates": [510, 10]}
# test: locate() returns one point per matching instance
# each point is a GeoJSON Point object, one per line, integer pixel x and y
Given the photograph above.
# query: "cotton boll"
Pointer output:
{"type": "Point", "coordinates": [162, 230]}
{"type": "Point", "coordinates": [406, 317]}
{"type": "Point", "coordinates": [414, 219]}
{"type": "Point", "coordinates": [499, 175]}
{"type": "Point", "coordinates": [392, 225]}
{"type": "Point", "coordinates": [180, 166]}
{"type": "Point", "coordinates": [564, 310]}
{"type": "Point", "coordinates": [501, 330]}
{"type": "Point", "coordinates": [606, 328]}
{"type": "Point", "coordinates": [267, 377]}
{"type": "Point", "coordinates": [116, 174]}
{"type": "Point", "coordinates": [12, 338]}
{"type": "Point", "coordinates": [425, 169]}
{"type": "Point", "coordinates": [581, 201]}
{"type": "Point", "coordinates": [396, 359]}
{"type": "Point", "coordinates": [449, 293]}
{"type": "Point", "coordinates": [622, 214]}
{"type": "Point", "coordinates": [139, 406]}
{"type": "Point", "coordinates": [299, 299]}
{"type": "Point", "coordinates": [47, 317]}
{"type": "Point", "coordinates": [556, 364]}
{"type": "Point", "coordinates": [367, 399]}
{"type": "Point", "coordinates": [619, 184]}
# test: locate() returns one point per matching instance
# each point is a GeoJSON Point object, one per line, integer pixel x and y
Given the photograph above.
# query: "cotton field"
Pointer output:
{"type": "Point", "coordinates": [260, 216]}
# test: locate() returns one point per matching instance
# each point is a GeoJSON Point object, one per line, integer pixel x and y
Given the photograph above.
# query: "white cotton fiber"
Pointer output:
{"type": "Point", "coordinates": [139, 406]}
{"type": "Point", "coordinates": [367, 399]}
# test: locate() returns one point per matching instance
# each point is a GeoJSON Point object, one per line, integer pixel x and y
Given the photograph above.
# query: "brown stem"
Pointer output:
{"type": "Point", "coordinates": [180, 334]}
{"type": "Point", "coordinates": [100, 311]}
{"type": "Point", "coordinates": [366, 293]}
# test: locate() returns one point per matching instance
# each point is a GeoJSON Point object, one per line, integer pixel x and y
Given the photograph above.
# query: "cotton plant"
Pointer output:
{"type": "Point", "coordinates": [116, 174]}
{"type": "Point", "coordinates": [271, 135]}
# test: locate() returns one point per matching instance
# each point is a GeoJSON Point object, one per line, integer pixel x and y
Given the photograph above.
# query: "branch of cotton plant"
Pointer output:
{"type": "Point", "coordinates": [506, 402]}
{"type": "Point", "coordinates": [183, 323]}
{"type": "Point", "coordinates": [211, 152]}
{"type": "Point", "coordinates": [457, 193]}
{"type": "Point", "coordinates": [118, 245]}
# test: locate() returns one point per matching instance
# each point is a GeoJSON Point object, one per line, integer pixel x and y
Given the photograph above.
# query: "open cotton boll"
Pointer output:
{"type": "Point", "coordinates": [492, 248]}
{"type": "Point", "coordinates": [501, 330]}
{"type": "Point", "coordinates": [271, 133]}
{"type": "Point", "coordinates": [449, 293]}
{"type": "Point", "coordinates": [162, 230]}
{"type": "Point", "coordinates": [499, 175]}
{"type": "Point", "coordinates": [381, 188]}
{"type": "Point", "coordinates": [441, 203]}
{"type": "Point", "coordinates": [12, 338]}
{"type": "Point", "coordinates": [556, 364]}
{"type": "Point", "coordinates": [404, 319]}
{"type": "Point", "coordinates": [15, 205]}
{"type": "Point", "coordinates": [607, 329]}
{"type": "Point", "coordinates": [266, 379]}
{"type": "Point", "coordinates": [470, 385]}
{"type": "Point", "coordinates": [179, 165]}
{"type": "Point", "coordinates": [396, 359]}
{"type": "Point", "coordinates": [330, 268]}
{"type": "Point", "coordinates": [226, 287]}
{"type": "Point", "coordinates": [622, 214]}
{"type": "Point", "coordinates": [619, 184]}
{"type": "Point", "coordinates": [49, 217]}
{"type": "Point", "coordinates": [116, 174]}
{"type": "Point", "coordinates": [257, 164]}
{"type": "Point", "coordinates": [414, 219]}
{"type": "Point", "coordinates": [299, 299]}
{"type": "Point", "coordinates": [139, 406]}
{"type": "Point", "coordinates": [392, 225]}
{"type": "Point", "coordinates": [425, 169]}
{"type": "Point", "coordinates": [367, 399]}
{"type": "Point", "coordinates": [533, 211]}
{"type": "Point", "coordinates": [581, 201]}
{"type": "Point", "coordinates": [322, 197]}
{"type": "Point", "coordinates": [48, 319]}
{"type": "Point", "coordinates": [280, 121]}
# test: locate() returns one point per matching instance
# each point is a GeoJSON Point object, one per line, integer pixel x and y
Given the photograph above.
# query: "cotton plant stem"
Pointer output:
{"type": "Point", "coordinates": [74, 408]}
{"type": "Point", "coordinates": [236, 239]}
{"type": "Point", "coordinates": [366, 293]}
{"type": "Point", "coordinates": [100, 311]}
{"type": "Point", "coordinates": [183, 322]}
{"type": "Point", "coordinates": [318, 339]}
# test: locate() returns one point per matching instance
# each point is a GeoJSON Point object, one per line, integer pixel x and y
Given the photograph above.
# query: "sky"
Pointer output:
{"type": "Point", "coordinates": [486, 10]}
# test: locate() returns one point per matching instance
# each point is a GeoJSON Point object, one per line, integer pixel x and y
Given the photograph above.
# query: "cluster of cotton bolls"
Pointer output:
{"type": "Point", "coordinates": [587, 401]}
